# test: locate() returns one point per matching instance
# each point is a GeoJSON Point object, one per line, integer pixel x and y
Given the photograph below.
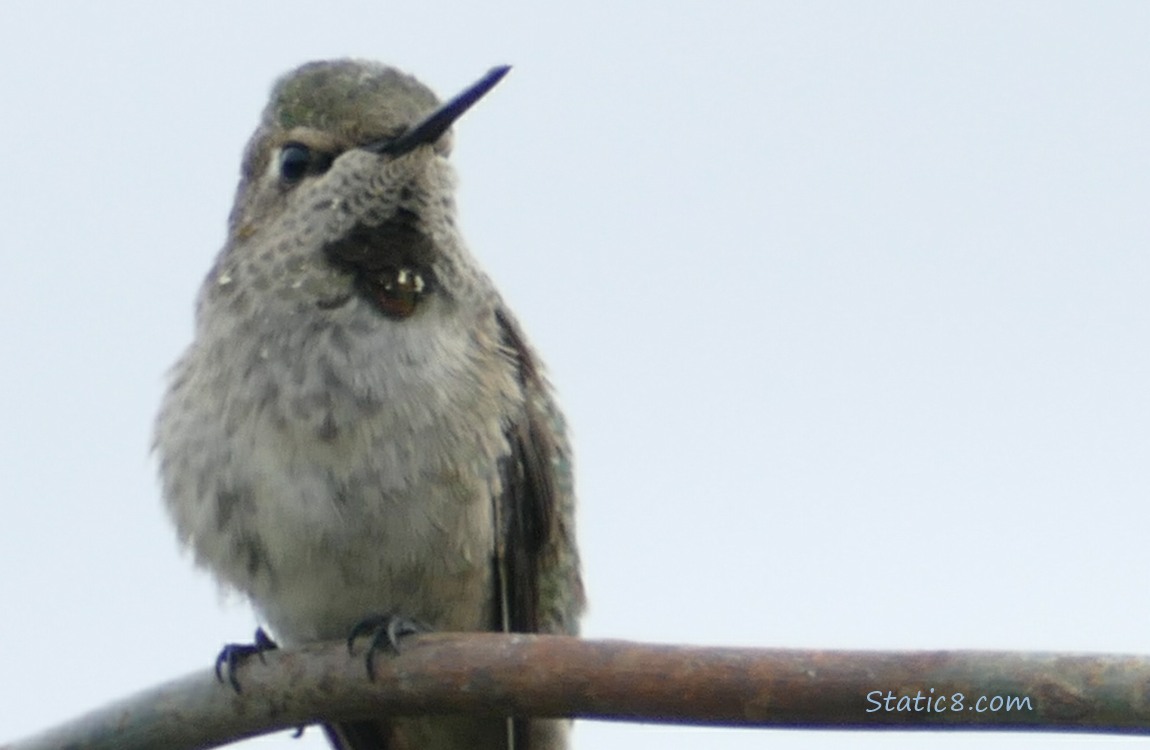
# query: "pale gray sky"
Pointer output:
{"type": "Point", "coordinates": [847, 304]}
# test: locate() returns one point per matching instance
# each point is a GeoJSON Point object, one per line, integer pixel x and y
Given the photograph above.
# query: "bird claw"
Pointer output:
{"type": "Point", "coordinates": [233, 654]}
{"type": "Point", "coordinates": [385, 631]}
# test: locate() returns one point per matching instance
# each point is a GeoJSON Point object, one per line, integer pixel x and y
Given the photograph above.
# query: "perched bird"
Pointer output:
{"type": "Point", "coordinates": [359, 430]}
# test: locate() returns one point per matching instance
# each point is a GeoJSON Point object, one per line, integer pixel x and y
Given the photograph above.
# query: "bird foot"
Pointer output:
{"type": "Point", "coordinates": [385, 632]}
{"type": "Point", "coordinates": [233, 654]}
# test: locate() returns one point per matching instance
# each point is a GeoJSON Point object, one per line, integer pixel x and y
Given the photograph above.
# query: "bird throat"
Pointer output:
{"type": "Point", "coordinates": [391, 263]}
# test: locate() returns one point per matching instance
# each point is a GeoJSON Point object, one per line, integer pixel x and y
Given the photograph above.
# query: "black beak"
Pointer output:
{"type": "Point", "coordinates": [435, 124]}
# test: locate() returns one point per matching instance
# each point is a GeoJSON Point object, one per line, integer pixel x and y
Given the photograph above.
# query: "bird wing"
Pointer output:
{"type": "Point", "coordinates": [537, 567]}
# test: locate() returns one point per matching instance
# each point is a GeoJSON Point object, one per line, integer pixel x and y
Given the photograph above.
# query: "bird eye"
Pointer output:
{"type": "Point", "coordinates": [294, 160]}
{"type": "Point", "coordinates": [298, 161]}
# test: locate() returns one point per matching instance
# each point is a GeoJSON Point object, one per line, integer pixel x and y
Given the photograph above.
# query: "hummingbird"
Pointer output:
{"type": "Point", "coordinates": [359, 431]}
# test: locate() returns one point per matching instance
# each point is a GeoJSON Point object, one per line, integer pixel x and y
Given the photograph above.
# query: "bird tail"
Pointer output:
{"type": "Point", "coordinates": [359, 735]}
{"type": "Point", "coordinates": [454, 732]}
